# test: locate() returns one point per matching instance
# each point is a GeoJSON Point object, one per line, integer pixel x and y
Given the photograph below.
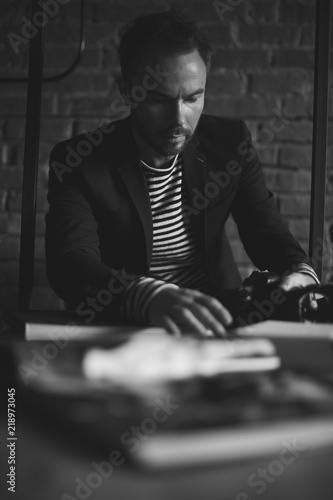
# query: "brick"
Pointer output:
{"type": "Point", "coordinates": [10, 247]}
{"type": "Point", "coordinates": [294, 58]}
{"type": "Point", "coordinates": [296, 11]}
{"type": "Point", "coordinates": [43, 177]}
{"type": "Point", "coordinates": [90, 106]}
{"type": "Point", "coordinates": [294, 205]}
{"type": "Point", "coordinates": [42, 204]}
{"type": "Point", "coordinates": [329, 207]}
{"type": "Point", "coordinates": [330, 107]}
{"type": "Point", "coordinates": [85, 124]}
{"type": "Point", "coordinates": [3, 123]}
{"type": "Point", "coordinates": [10, 61]}
{"type": "Point", "coordinates": [267, 153]}
{"type": "Point", "coordinates": [297, 131]}
{"type": "Point", "coordinates": [110, 60]}
{"type": "Point", "coordinates": [81, 82]}
{"type": "Point", "coordinates": [103, 33]}
{"type": "Point", "coordinates": [269, 131]}
{"type": "Point", "coordinates": [239, 59]}
{"type": "Point", "coordinates": [240, 107]}
{"type": "Point", "coordinates": [330, 156]}
{"type": "Point", "coordinates": [52, 128]}
{"type": "Point", "coordinates": [10, 223]}
{"type": "Point", "coordinates": [296, 156]}
{"type": "Point", "coordinates": [308, 36]}
{"type": "Point", "coordinates": [58, 59]}
{"type": "Point", "coordinates": [68, 32]}
{"type": "Point", "coordinates": [5, 153]}
{"type": "Point", "coordinates": [72, 10]}
{"type": "Point", "coordinates": [282, 81]}
{"type": "Point", "coordinates": [279, 180]}
{"type": "Point", "coordinates": [11, 176]}
{"type": "Point", "coordinates": [15, 128]}
{"type": "Point", "coordinates": [299, 228]}
{"type": "Point", "coordinates": [268, 35]}
{"type": "Point", "coordinates": [252, 126]}
{"type": "Point", "coordinates": [40, 224]}
{"type": "Point", "coordinates": [124, 12]}
{"type": "Point", "coordinates": [3, 199]}
{"type": "Point", "coordinates": [298, 106]}
{"type": "Point", "coordinates": [9, 272]}
{"type": "Point", "coordinates": [14, 199]}
{"type": "Point", "coordinates": [39, 247]}
{"type": "Point", "coordinates": [230, 82]}
{"type": "Point", "coordinates": [12, 105]}
{"type": "Point", "coordinates": [218, 35]}
{"type": "Point", "coordinates": [264, 11]}
{"type": "Point", "coordinates": [226, 13]}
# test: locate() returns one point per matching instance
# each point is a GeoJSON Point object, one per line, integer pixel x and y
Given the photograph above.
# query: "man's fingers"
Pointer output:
{"type": "Point", "coordinates": [170, 326]}
{"type": "Point", "coordinates": [215, 307]}
{"type": "Point", "coordinates": [189, 322]}
{"type": "Point", "coordinates": [199, 319]}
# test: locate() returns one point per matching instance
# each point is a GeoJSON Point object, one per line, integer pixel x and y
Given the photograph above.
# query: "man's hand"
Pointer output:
{"type": "Point", "coordinates": [295, 280]}
{"type": "Point", "coordinates": [184, 310]}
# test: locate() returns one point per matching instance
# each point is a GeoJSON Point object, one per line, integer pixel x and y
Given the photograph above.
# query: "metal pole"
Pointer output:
{"type": "Point", "coordinates": [319, 138]}
{"type": "Point", "coordinates": [30, 167]}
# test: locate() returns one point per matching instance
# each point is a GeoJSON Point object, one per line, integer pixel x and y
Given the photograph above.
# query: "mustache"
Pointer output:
{"type": "Point", "coordinates": [177, 131]}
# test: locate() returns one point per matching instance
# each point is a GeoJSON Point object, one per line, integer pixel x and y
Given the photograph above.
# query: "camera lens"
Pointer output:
{"type": "Point", "coordinates": [314, 307]}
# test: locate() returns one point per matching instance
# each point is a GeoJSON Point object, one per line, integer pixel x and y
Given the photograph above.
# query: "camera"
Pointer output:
{"type": "Point", "coordinates": [259, 298]}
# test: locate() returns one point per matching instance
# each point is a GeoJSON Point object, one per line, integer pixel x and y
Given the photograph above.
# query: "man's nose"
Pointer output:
{"type": "Point", "coordinates": [178, 113]}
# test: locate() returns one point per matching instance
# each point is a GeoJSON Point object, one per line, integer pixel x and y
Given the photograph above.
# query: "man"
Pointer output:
{"type": "Point", "coordinates": [136, 221]}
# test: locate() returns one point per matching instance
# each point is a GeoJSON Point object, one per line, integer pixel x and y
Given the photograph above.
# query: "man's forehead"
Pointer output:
{"type": "Point", "coordinates": [176, 65]}
{"type": "Point", "coordinates": [175, 74]}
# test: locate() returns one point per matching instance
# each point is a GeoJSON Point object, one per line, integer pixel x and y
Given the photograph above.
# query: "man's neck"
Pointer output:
{"type": "Point", "coordinates": [149, 155]}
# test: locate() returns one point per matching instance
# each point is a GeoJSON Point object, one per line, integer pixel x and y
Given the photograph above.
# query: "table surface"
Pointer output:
{"type": "Point", "coordinates": [51, 465]}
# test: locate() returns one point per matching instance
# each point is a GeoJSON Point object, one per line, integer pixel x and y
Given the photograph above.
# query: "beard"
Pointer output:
{"type": "Point", "coordinates": [169, 148]}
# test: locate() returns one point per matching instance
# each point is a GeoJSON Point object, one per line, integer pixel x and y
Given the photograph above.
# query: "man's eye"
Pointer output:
{"type": "Point", "coordinates": [191, 99]}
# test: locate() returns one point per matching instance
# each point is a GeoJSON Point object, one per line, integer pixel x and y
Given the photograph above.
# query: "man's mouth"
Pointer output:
{"type": "Point", "coordinates": [175, 137]}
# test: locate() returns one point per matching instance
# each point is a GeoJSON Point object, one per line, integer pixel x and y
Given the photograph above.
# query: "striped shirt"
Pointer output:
{"type": "Point", "coordinates": [175, 260]}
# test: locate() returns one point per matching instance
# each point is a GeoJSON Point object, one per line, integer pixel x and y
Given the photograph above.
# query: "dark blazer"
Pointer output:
{"type": "Point", "coordinates": [100, 220]}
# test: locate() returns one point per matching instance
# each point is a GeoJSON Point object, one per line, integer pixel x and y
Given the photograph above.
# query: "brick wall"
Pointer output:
{"type": "Point", "coordinates": [263, 72]}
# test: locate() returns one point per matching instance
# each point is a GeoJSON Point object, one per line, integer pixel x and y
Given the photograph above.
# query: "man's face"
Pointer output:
{"type": "Point", "coordinates": [167, 117]}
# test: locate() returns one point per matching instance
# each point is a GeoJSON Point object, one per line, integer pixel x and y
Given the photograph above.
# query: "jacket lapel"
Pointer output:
{"type": "Point", "coordinates": [134, 180]}
{"type": "Point", "coordinates": [194, 172]}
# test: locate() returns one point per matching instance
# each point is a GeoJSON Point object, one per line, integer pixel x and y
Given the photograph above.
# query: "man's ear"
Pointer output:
{"type": "Point", "coordinates": [124, 86]}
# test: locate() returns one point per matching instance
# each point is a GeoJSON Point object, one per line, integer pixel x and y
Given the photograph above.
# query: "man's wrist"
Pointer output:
{"type": "Point", "coordinates": [304, 268]}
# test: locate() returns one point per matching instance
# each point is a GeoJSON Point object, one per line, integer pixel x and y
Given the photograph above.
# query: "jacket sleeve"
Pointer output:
{"type": "Point", "coordinates": [266, 238]}
{"type": "Point", "coordinates": [73, 259]}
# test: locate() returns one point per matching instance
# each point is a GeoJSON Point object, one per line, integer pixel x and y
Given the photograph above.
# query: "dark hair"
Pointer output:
{"type": "Point", "coordinates": [171, 32]}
